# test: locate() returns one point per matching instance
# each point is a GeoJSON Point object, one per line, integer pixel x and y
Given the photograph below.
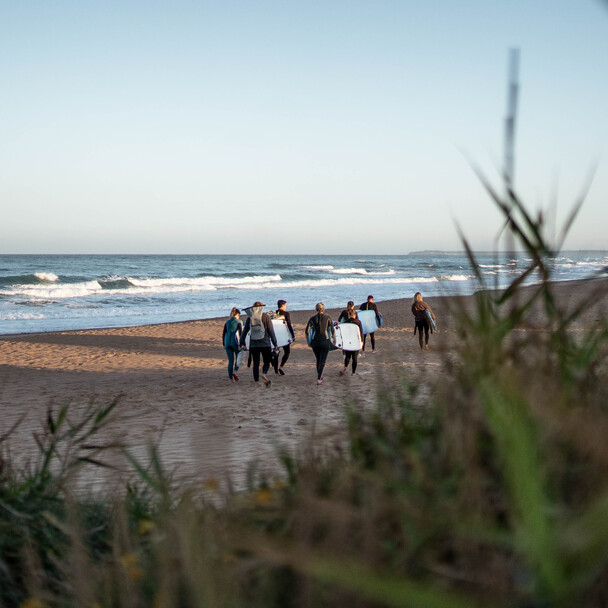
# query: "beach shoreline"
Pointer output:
{"type": "Point", "coordinates": [174, 391]}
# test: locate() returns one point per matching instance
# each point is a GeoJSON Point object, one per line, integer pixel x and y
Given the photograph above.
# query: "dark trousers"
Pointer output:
{"type": "Point", "coordinates": [372, 338]}
{"type": "Point", "coordinates": [420, 326]}
{"type": "Point", "coordinates": [351, 355]}
{"type": "Point", "coordinates": [321, 352]}
{"type": "Point", "coordinates": [266, 353]}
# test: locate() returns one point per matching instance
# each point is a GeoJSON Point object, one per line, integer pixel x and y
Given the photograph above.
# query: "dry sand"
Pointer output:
{"type": "Point", "coordinates": [175, 392]}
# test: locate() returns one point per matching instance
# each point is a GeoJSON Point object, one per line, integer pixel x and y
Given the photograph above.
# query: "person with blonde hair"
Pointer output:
{"type": "Point", "coordinates": [261, 340]}
{"type": "Point", "coordinates": [320, 334]}
{"type": "Point", "coordinates": [231, 338]}
{"type": "Point", "coordinates": [419, 308]}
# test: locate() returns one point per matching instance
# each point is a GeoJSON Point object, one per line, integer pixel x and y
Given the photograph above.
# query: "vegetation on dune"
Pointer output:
{"type": "Point", "coordinates": [493, 494]}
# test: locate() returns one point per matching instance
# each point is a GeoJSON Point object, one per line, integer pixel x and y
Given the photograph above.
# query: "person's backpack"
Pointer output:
{"type": "Point", "coordinates": [257, 330]}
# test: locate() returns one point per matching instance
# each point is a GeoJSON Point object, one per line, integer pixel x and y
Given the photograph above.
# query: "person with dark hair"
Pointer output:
{"type": "Point", "coordinates": [352, 355]}
{"type": "Point", "coordinates": [323, 334]}
{"type": "Point", "coordinates": [262, 337]}
{"type": "Point", "coordinates": [419, 308]}
{"type": "Point", "coordinates": [231, 338]}
{"type": "Point", "coordinates": [350, 305]}
{"type": "Point", "coordinates": [369, 305]}
{"type": "Point", "coordinates": [282, 312]}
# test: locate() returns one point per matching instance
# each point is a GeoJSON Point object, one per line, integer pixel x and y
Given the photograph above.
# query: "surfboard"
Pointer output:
{"type": "Point", "coordinates": [281, 331]}
{"type": "Point", "coordinates": [430, 319]}
{"type": "Point", "coordinates": [369, 321]}
{"type": "Point", "coordinates": [348, 336]}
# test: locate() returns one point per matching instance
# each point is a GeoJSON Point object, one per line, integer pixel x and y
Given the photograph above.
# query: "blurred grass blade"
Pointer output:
{"type": "Point", "coordinates": [519, 454]}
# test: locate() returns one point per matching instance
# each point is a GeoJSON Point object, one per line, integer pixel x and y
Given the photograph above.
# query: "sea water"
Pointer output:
{"type": "Point", "coordinates": [41, 293]}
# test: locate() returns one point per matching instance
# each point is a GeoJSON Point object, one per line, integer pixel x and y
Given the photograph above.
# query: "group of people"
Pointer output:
{"type": "Point", "coordinates": [320, 335]}
{"type": "Point", "coordinates": [262, 341]}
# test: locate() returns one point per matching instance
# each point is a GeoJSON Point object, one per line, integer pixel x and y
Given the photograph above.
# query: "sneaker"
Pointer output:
{"type": "Point", "coordinates": [235, 376]}
{"type": "Point", "coordinates": [319, 382]}
{"type": "Point", "coordinates": [281, 371]}
{"type": "Point", "coordinates": [374, 351]}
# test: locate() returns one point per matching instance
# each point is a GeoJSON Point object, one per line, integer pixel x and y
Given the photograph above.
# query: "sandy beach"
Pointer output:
{"type": "Point", "coordinates": [174, 391]}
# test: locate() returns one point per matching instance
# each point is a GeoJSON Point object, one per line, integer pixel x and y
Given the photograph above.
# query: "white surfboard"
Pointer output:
{"type": "Point", "coordinates": [368, 321]}
{"type": "Point", "coordinates": [281, 331]}
{"type": "Point", "coordinates": [348, 336]}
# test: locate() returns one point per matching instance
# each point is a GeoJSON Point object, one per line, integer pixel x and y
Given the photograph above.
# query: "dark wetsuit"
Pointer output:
{"type": "Point", "coordinates": [421, 321]}
{"type": "Point", "coordinates": [372, 337]}
{"type": "Point", "coordinates": [323, 327]}
{"type": "Point", "coordinates": [343, 318]}
{"type": "Point", "coordinates": [286, 348]}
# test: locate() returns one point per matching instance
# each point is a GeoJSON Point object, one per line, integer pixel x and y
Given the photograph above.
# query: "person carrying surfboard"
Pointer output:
{"type": "Point", "coordinates": [369, 305]}
{"type": "Point", "coordinates": [282, 312]}
{"type": "Point", "coordinates": [320, 334]}
{"type": "Point", "coordinates": [260, 341]}
{"type": "Point", "coordinates": [421, 311]}
{"type": "Point", "coordinates": [352, 355]}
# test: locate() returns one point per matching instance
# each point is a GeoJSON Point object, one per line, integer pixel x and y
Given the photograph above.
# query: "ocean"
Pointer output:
{"type": "Point", "coordinates": [40, 293]}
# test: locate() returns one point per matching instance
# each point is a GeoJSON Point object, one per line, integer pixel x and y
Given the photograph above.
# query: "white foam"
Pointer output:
{"type": "Point", "coordinates": [456, 277]}
{"type": "Point", "coordinates": [48, 277]}
{"type": "Point", "coordinates": [53, 292]}
{"type": "Point", "coordinates": [361, 271]}
{"type": "Point", "coordinates": [20, 316]}
{"type": "Point", "coordinates": [316, 267]}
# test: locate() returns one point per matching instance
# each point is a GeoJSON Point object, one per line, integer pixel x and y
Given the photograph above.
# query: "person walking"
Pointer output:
{"type": "Point", "coordinates": [262, 337]}
{"type": "Point", "coordinates": [231, 336]}
{"type": "Point", "coordinates": [369, 305]}
{"type": "Point", "coordinates": [323, 334]}
{"type": "Point", "coordinates": [419, 308]}
{"type": "Point", "coordinates": [282, 312]}
{"type": "Point", "coordinates": [344, 314]}
{"type": "Point", "coordinates": [352, 355]}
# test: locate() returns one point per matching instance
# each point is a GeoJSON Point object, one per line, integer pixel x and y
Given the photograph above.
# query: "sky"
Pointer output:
{"type": "Point", "coordinates": [286, 127]}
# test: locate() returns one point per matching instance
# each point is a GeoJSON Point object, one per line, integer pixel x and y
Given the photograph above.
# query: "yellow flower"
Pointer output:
{"type": "Point", "coordinates": [263, 496]}
{"type": "Point", "coordinates": [145, 526]}
{"type": "Point", "coordinates": [129, 560]}
{"type": "Point", "coordinates": [130, 563]}
{"type": "Point", "coordinates": [212, 484]}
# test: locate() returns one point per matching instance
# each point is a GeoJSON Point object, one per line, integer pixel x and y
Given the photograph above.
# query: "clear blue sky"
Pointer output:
{"type": "Point", "coordinates": [292, 127]}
